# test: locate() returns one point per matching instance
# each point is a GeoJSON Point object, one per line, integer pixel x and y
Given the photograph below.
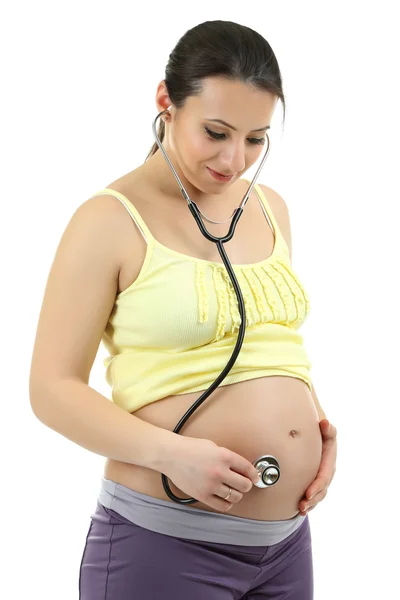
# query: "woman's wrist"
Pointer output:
{"type": "Point", "coordinates": [168, 448]}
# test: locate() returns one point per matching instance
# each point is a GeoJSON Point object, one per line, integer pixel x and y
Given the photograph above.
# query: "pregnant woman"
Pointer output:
{"type": "Point", "coordinates": [134, 271]}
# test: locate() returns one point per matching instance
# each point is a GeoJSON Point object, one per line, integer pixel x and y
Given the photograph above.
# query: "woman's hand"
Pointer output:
{"type": "Point", "coordinates": [319, 487]}
{"type": "Point", "coordinates": [206, 471]}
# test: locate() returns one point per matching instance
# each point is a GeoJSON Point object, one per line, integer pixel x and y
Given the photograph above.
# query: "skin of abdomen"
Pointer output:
{"type": "Point", "coordinates": [269, 415]}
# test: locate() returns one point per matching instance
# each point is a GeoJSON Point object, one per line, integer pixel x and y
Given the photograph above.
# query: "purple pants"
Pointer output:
{"type": "Point", "coordinates": [124, 561]}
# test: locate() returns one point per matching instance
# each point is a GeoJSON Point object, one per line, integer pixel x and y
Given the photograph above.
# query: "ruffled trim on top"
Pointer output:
{"type": "Point", "coordinates": [223, 301]}
{"type": "Point", "coordinates": [271, 293]}
{"type": "Point", "coordinates": [282, 288]}
{"type": "Point", "coordinates": [300, 296]}
{"type": "Point", "coordinates": [233, 303]}
{"type": "Point", "coordinates": [201, 292]}
{"type": "Point", "coordinates": [251, 317]}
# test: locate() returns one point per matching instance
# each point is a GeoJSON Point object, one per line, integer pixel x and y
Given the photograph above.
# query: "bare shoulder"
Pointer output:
{"type": "Point", "coordinates": [276, 201]}
{"type": "Point", "coordinates": [79, 295]}
{"type": "Point", "coordinates": [122, 228]}
{"type": "Point", "coordinates": [109, 221]}
{"type": "Point", "coordinates": [281, 213]}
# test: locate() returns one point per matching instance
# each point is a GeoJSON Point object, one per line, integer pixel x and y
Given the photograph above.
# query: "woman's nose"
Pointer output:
{"type": "Point", "coordinates": [234, 159]}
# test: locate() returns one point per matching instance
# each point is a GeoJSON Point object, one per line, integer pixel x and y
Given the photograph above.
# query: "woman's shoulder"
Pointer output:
{"type": "Point", "coordinates": [274, 199]}
{"type": "Point", "coordinates": [280, 211]}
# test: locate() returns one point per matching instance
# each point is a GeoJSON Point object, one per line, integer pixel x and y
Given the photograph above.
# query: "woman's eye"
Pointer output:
{"type": "Point", "coordinates": [214, 135]}
{"type": "Point", "coordinates": [221, 136]}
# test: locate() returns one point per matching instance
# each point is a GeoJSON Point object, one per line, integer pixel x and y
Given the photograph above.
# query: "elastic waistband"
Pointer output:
{"type": "Point", "coordinates": [181, 521]}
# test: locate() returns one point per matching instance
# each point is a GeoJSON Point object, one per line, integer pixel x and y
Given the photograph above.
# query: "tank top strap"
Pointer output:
{"type": "Point", "coordinates": [268, 212]}
{"type": "Point", "coordinates": [132, 210]}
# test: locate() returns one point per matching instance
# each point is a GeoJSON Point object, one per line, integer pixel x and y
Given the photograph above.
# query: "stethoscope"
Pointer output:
{"type": "Point", "coordinates": [267, 466]}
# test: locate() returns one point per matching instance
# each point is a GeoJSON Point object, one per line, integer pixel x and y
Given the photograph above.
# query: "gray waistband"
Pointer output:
{"type": "Point", "coordinates": [183, 521]}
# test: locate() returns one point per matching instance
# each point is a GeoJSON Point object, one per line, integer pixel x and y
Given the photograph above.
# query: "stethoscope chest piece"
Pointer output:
{"type": "Point", "coordinates": [268, 470]}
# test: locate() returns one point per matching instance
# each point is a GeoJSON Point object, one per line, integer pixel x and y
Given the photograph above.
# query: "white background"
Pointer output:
{"type": "Point", "coordinates": [79, 82]}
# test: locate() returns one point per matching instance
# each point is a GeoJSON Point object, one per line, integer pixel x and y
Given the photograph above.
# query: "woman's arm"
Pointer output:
{"type": "Point", "coordinates": [81, 414]}
{"type": "Point", "coordinates": [78, 299]}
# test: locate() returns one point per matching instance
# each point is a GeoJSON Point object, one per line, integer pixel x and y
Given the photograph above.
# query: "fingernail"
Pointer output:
{"type": "Point", "coordinates": [306, 507]}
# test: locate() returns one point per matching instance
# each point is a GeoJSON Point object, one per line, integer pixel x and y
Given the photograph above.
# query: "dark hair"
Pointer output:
{"type": "Point", "coordinates": [219, 48]}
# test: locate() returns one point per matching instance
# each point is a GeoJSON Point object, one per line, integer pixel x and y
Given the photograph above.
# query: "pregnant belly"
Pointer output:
{"type": "Point", "coordinates": [270, 415]}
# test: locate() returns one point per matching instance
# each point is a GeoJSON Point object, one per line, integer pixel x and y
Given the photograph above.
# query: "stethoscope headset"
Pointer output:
{"type": "Point", "coordinates": [266, 465]}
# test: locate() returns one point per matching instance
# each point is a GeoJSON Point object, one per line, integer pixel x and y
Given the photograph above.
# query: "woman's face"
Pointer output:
{"type": "Point", "coordinates": [198, 143]}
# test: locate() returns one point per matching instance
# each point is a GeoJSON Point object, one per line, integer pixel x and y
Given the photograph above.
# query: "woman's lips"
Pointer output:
{"type": "Point", "coordinates": [218, 176]}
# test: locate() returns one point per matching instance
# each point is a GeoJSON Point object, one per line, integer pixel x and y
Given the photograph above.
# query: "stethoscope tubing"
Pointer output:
{"type": "Point", "coordinates": [219, 241]}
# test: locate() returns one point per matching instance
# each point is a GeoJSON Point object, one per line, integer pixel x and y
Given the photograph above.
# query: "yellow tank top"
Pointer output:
{"type": "Point", "coordinates": [174, 329]}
